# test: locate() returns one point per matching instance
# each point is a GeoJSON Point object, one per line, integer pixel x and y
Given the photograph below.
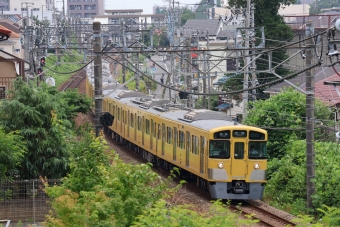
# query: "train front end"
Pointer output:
{"type": "Point", "coordinates": [237, 163]}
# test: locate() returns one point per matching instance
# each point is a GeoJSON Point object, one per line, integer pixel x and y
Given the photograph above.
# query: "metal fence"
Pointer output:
{"type": "Point", "coordinates": [24, 201]}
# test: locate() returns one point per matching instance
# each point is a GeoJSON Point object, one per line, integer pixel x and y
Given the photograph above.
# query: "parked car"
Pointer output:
{"type": "Point", "coordinates": [221, 81]}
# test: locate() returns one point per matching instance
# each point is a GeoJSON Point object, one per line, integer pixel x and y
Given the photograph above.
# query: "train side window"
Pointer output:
{"type": "Point", "coordinates": [114, 111]}
{"type": "Point", "coordinates": [195, 145]}
{"type": "Point", "coordinates": [239, 150]}
{"type": "Point", "coordinates": [118, 110]}
{"type": "Point", "coordinates": [188, 141]}
{"type": "Point", "coordinates": [132, 122]}
{"type": "Point", "coordinates": [123, 116]}
{"type": "Point", "coordinates": [159, 132]}
{"type": "Point", "coordinates": [169, 137]}
{"type": "Point", "coordinates": [181, 140]}
{"type": "Point", "coordinates": [152, 127]}
{"type": "Point", "coordinates": [163, 132]}
{"type": "Point", "coordinates": [139, 123]}
{"type": "Point", "coordinates": [154, 130]}
{"type": "Point", "coordinates": [147, 126]}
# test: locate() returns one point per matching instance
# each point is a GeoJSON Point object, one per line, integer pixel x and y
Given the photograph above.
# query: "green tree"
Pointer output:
{"type": "Point", "coordinates": [186, 15]}
{"type": "Point", "coordinates": [283, 115]}
{"type": "Point", "coordinates": [42, 116]}
{"type": "Point", "coordinates": [287, 185]}
{"type": "Point", "coordinates": [12, 150]}
{"type": "Point", "coordinates": [317, 6]}
{"type": "Point", "coordinates": [276, 31]}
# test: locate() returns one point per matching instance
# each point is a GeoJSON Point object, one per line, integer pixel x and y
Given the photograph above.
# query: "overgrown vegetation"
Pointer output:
{"type": "Point", "coordinates": [42, 117]}
{"type": "Point", "coordinates": [283, 115]}
{"type": "Point", "coordinates": [63, 68]}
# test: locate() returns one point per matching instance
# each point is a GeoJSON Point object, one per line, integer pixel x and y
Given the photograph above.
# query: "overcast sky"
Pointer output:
{"type": "Point", "coordinates": [146, 5]}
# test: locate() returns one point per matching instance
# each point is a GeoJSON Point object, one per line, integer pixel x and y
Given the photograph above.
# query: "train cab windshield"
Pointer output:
{"type": "Point", "coordinates": [219, 149]}
{"type": "Point", "coordinates": [257, 150]}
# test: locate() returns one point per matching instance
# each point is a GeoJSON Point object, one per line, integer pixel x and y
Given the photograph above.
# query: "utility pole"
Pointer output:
{"type": "Point", "coordinates": [122, 34]}
{"type": "Point", "coordinates": [310, 154]}
{"type": "Point", "coordinates": [254, 81]}
{"type": "Point", "coordinates": [205, 74]}
{"type": "Point", "coordinates": [246, 62]}
{"type": "Point", "coordinates": [137, 78]}
{"type": "Point", "coordinates": [98, 91]}
{"type": "Point", "coordinates": [188, 77]}
{"type": "Point", "coordinates": [42, 12]}
{"type": "Point", "coordinates": [208, 65]}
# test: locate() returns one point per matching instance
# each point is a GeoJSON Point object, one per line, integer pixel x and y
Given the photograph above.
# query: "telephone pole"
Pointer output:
{"type": "Point", "coordinates": [98, 90]}
{"type": "Point", "coordinates": [310, 154]}
{"type": "Point", "coordinates": [246, 62]}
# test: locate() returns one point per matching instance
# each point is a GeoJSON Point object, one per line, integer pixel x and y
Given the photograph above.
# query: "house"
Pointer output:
{"type": "Point", "coordinates": [11, 67]}
{"type": "Point", "coordinates": [213, 26]}
{"type": "Point", "coordinates": [12, 45]}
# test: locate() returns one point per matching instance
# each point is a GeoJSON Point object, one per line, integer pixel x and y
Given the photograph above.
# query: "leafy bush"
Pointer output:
{"type": "Point", "coordinates": [287, 185]}
{"type": "Point", "coordinates": [101, 189]}
{"type": "Point", "coordinates": [286, 110]}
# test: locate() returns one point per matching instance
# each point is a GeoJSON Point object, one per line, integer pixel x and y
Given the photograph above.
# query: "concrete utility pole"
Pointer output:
{"type": "Point", "coordinates": [246, 62]}
{"type": "Point", "coordinates": [254, 81]}
{"type": "Point", "coordinates": [208, 65]}
{"type": "Point", "coordinates": [123, 55]}
{"type": "Point", "coordinates": [137, 78]}
{"type": "Point", "coordinates": [42, 12]}
{"type": "Point", "coordinates": [98, 91]}
{"type": "Point", "coordinates": [310, 154]}
{"type": "Point", "coordinates": [188, 77]}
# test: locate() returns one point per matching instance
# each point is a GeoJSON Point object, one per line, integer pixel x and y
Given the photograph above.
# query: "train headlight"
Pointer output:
{"type": "Point", "coordinates": [220, 165]}
{"type": "Point", "coordinates": [257, 166]}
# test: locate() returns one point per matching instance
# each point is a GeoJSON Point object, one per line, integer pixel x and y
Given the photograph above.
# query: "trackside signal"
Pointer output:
{"type": "Point", "coordinates": [42, 61]}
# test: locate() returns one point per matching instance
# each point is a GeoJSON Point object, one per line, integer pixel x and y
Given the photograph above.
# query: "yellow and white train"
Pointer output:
{"type": "Point", "coordinates": [227, 158]}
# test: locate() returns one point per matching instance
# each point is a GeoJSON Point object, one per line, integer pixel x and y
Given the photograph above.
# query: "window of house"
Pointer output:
{"type": "Point", "coordinates": [2, 92]}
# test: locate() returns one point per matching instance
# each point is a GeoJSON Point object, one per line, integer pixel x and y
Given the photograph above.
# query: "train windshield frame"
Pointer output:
{"type": "Point", "coordinates": [219, 149]}
{"type": "Point", "coordinates": [257, 150]}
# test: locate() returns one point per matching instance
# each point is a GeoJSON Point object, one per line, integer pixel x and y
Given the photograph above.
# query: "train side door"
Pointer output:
{"type": "Point", "coordinates": [175, 144]}
{"type": "Point", "coordinates": [239, 164]}
{"type": "Point", "coordinates": [135, 121]}
{"type": "Point", "coordinates": [202, 147]}
{"type": "Point", "coordinates": [163, 138]}
{"type": "Point", "coordinates": [187, 150]}
{"type": "Point", "coordinates": [159, 143]}
{"type": "Point", "coordinates": [151, 134]}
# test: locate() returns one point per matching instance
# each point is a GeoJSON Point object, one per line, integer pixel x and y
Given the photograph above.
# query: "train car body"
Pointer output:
{"type": "Point", "coordinates": [207, 144]}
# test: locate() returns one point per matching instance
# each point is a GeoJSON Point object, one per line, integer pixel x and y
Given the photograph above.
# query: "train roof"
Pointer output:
{"type": "Point", "coordinates": [200, 118]}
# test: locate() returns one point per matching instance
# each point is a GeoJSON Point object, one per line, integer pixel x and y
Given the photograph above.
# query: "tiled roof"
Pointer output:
{"type": "Point", "coordinates": [226, 34]}
{"type": "Point", "coordinates": [13, 34]}
{"type": "Point", "coordinates": [11, 27]}
{"type": "Point", "coordinates": [327, 93]}
{"type": "Point", "coordinates": [203, 25]}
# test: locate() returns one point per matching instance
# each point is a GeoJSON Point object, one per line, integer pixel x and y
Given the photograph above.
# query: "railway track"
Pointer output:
{"type": "Point", "coordinates": [74, 81]}
{"type": "Point", "coordinates": [266, 218]}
